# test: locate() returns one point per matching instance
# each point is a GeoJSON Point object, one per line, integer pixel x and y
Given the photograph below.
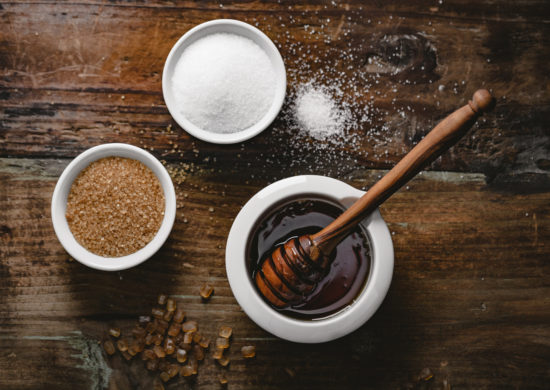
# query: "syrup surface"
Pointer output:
{"type": "Point", "coordinates": [348, 271]}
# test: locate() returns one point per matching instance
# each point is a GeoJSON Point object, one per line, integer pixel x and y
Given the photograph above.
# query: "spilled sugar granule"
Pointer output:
{"type": "Point", "coordinates": [317, 112]}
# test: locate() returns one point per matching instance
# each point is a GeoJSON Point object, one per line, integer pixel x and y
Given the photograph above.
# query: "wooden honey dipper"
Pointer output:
{"type": "Point", "coordinates": [294, 268]}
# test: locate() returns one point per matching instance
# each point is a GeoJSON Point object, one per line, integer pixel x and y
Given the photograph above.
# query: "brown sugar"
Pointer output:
{"type": "Point", "coordinates": [115, 206]}
{"type": "Point", "coordinates": [182, 353]}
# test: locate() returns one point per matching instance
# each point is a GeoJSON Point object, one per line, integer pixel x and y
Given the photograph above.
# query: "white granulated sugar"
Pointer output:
{"type": "Point", "coordinates": [224, 83]}
{"type": "Point", "coordinates": [318, 113]}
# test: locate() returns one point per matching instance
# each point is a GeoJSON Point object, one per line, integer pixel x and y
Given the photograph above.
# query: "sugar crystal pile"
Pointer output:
{"type": "Point", "coordinates": [318, 113]}
{"type": "Point", "coordinates": [223, 83]}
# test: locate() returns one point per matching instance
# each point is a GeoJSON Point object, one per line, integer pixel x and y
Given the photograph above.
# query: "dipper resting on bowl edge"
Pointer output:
{"type": "Point", "coordinates": [293, 269]}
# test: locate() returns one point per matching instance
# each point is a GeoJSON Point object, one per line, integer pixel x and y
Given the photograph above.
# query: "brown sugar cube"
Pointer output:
{"type": "Point", "coordinates": [197, 337]}
{"type": "Point", "coordinates": [149, 354]}
{"type": "Point", "coordinates": [179, 315]}
{"type": "Point", "coordinates": [223, 380]}
{"type": "Point", "coordinates": [218, 353]}
{"type": "Point", "coordinates": [193, 362]}
{"type": "Point", "coordinates": [181, 355]}
{"type": "Point", "coordinates": [206, 291]}
{"type": "Point", "coordinates": [115, 332]}
{"type": "Point", "coordinates": [138, 332]}
{"type": "Point", "coordinates": [248, 351]}
{"type": "Point", "coordinates": [189, 326]}
{"type": "Point", "coordinates": [170, 304]}
{"type": "Point", "coordinates": [162, 299]}
{"type": "Point", "coordinates": [179, 338]}
{"type": "Point", "coordinates": [168, 316]}
{"type": "Point", "coordinates": [126, 355]}
{"type": "Point", "coordinates": [132, 350]}
{"type": "Point", "coordinates": [149, 339]}
{"type": "Point", "coordinates": [162, 326]}
{"type": "Point", "coordinates": [157, 312]}
{"type": "Point", "coordinates": [222, 343]}
{"type": "Point", "coordinates": [153, 364]}
{"type": "Point", "coordinates": [225, 331]}
{"type": "Point", "coordinates": [165, 376]}
{"type": "Point", "coordinates": [188, 337]}
{"type": "Point", "coordinates": [198, 352]}
{"type": "Point", "coordinates": [109, 347]}
{"type": "Point", "coordinates": [204, 342]}
{"type": "Point", "coordinates": [159, 351]}
{"type": "Point", "coordinates": [187, 371]}
{"type": "Point", "coordinates": [173, 370]}
{"type": "Point", "coordinates": [151, 327]}
{"type": "Point", "coordinates": [157, 339]}
{"type": "Point", "coordinates": [136, 347]}
{"type": "Point", "coordinates": [223, 361]}
{"type": "Point", "coordinates": [169, 346]}
{"type": "Point", "coordinates": [144, 320]}
{"type": "Point", "coordinates": [122, 345]}
{"type": "Point", "coordinates": [174, 329]}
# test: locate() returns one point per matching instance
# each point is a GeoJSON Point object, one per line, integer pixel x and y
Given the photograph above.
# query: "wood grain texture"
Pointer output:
{"type": "Point", "coordinates": [469, 298]}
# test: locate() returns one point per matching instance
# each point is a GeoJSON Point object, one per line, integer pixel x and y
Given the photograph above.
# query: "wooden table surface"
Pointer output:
{"type": "Point", "coordinates": [470, 297]}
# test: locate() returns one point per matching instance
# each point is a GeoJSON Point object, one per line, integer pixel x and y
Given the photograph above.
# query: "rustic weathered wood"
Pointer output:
{"type": "Point", "coordinates": [469, 298]}
{"type": "Point", "coordinates": [67, 67]}
{"type": "Point", "coordinates": [469, 291]}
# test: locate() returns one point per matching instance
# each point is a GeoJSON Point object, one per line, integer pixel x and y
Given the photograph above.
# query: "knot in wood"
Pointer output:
{"type": "Point", "coordinates": [408, 55]}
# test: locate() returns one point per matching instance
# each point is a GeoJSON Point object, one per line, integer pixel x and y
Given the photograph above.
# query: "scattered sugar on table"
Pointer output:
{"type": "Point", "coordinates": [318, 113]}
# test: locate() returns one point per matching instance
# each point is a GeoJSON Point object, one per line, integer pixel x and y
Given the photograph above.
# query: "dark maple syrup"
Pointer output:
{"type": "Point", "coordinates": [351, 259]}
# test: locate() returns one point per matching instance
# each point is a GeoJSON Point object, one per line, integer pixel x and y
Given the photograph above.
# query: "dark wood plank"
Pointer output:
{"type": "Point", "coordinates": [468, 299]}
{"type": "Point", "coordinates": [78, 74]}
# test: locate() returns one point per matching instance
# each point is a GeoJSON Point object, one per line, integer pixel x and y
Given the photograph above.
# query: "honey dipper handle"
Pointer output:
{"type": "Point", "coordinates": [437, 141]}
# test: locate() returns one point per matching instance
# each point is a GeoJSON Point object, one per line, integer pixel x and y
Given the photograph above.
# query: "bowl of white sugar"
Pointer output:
{"type": "Point", "coordinates": [224, 81]}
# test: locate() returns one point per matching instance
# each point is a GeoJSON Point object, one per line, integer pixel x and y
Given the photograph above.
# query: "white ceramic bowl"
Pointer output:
{"type": "Point", "coordinates": [308, 331]}
{"type": "Point", "coordinates": [59, 207]}
{"type": "Point", "coordinates": [233, 27]}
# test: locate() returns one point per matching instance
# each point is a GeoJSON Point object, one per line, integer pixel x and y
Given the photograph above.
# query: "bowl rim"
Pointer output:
{"type": "Point", "coordinates": [59, 204]}
{"type": "Point", "coordinates": [338, 324]}
{"type": "Point", "coordinates": [216, 26]}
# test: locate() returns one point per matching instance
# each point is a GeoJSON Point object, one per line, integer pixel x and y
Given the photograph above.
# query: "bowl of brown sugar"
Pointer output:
{"type": "Point", "coordinates": [113, 207]}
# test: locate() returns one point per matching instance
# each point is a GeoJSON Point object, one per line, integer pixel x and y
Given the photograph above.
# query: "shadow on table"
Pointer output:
{"type": "Point", "coordinates": [374, 356]}
{"type": "Point", "coordinates": [111, 296]}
